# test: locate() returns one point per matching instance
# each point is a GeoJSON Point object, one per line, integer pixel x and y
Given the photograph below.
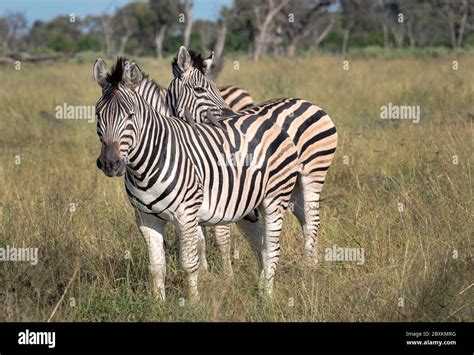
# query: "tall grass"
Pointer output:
{"type": "Point", "coordinates": [418, 262]}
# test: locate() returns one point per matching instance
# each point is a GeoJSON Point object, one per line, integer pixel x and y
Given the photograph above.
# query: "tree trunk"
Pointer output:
{"type": "Point", "coordinates": [398, 38]}
{"type": "Point", "coordinates": [258, 47]}
{"type": "Point", "coordinates": [385, 36]}
{"type": "Point", "coordinates": [220, 43]}
{"type": "Point", "coordinates": [452, 34]}
{"type": "Point", "coordinates": [109, 42]}
{"type": "Point", "coordinates": [291, 49]}
{"type": "Point", "coordinates": [411, 36]}
{"type": "Point", "coordinates": [344, 42]}
{"type": "Point", "coordinates": [263, 27]}
{"type": "Point", "coordinates": [189, 23]}
{"type": "Point", "coordinates": [325, 33]}
{"type": "Point", "coordinates": [462, 25]}
{"type": "Point", "coordinates": [123, 44]}
{"type": "Point", "coordinates": [218, 63]}
{"type": "Point", "coordinates": [159, 39]}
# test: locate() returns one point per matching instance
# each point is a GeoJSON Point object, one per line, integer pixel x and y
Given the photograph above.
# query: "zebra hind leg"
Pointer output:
{"type": "Point", "coordinates": [223, 241]}
{"type": "Point", "coordinates": [189, 252]}
{"type": "Point", "coordinates": [307, 211]}
{"type": "Point", "coordinates": [273, 221]}
{"type": "Point", "coordinates": [202, 247]}
{"type": "Point", "coordinates": [254, 233]}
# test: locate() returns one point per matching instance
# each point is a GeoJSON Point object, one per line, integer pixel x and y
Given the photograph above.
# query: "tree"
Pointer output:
{"type": "Point", "coordinates": [58, 34]}
{"type": "Point", "coordinates": [187, 8]}
{"type": "Point", "coordinates": [351, 14]}
{"type": "Point", "coordinates": [10, 26]}
{"type": "Point", "coordinates": [133, 22]}
{"type": "Point", "coordinates": [456, 14]}
{"type": "Point", "coordinates": [165, 14]}
{"type": "Point", "coordinates": [264, 15]}
{"type": "Point", "coordinates": [302, 19]}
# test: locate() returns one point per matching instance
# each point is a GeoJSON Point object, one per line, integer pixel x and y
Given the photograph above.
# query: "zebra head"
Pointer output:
{"type": "Point", "coordinates": [115, 111]}
{"type": "Point", "coordinates": [191, 92]}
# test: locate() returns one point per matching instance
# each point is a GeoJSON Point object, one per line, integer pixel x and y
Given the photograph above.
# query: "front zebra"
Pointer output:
{"type": "Point", "coordinates": [173, 173]}
{"type": "Point", "coordinates": [310, 128]}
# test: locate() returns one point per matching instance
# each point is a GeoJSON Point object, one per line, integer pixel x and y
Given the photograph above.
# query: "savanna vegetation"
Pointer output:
{"type": "Point", "coordinates": [400, 190]}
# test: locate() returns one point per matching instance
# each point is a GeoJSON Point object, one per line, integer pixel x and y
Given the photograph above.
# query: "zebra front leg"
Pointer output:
{"type": "Point", "coordinates": [223, 243]}
{"type": "Point", "coordinates": [152, 230]}
{"type": "Point", "coordinates": [189, 252]}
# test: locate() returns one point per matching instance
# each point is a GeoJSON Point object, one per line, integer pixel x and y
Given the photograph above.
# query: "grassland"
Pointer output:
{"type": "Point", "coordinates": [418, 263]}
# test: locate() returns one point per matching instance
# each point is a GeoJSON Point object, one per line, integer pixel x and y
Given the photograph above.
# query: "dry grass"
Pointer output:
{"type": "Point", "coordinates": [407, 254]}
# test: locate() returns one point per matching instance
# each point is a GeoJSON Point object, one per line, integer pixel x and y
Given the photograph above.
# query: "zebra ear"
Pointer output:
{"type": "Point", "coordinates": [206, 63]}
{"type": "Point", "coordinates": [100, 72]}
{"type": "Point", "coordinates": [184, 59]}
{"type": "Point", "coordinates": [132, 75]}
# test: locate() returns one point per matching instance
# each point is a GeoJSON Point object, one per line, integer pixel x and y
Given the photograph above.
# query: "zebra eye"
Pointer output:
{"type": "Point", "coordinates": [199, 90]}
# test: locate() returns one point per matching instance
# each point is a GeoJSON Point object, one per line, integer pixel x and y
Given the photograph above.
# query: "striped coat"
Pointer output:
{"type": "Point", "coordinates": [192, 176]}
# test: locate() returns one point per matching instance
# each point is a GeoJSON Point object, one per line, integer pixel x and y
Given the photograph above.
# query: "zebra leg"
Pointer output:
{"type": "Point", "coordinates": [152, 230]}
{"type": "Point", "coordinates": [187, 226]}
{"type": "Point", "coordinates": [310, 190]}
{"type": "Point", "coordinates": [273, 218]}
{"type": "Point", "coordinates": [223, 243]}
{"type": "Point", "coordinates": [254, 233]}
{"type": "Point", "coordinates": [202, 246]}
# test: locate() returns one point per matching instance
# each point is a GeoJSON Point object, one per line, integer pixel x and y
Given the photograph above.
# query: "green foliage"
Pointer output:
{"type": "Point", "coordinates": [62, 43]}
{"type": "Point", "coordinates": [89, 43]}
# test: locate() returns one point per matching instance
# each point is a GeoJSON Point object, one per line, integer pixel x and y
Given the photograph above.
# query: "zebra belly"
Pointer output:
{"type": "Point", "coordinates": [232, 201]}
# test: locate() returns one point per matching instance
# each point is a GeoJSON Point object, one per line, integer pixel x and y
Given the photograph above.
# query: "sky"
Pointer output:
{"type": "Point", "coordinates": [48, 9]}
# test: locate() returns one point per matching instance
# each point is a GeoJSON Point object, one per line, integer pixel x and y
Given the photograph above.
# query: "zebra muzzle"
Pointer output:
{"type": "Point", "coordinates": [110, 161]}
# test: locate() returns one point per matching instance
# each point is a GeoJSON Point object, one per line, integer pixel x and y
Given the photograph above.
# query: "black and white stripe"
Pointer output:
{"type": "Point", "coordinates": [310, 128]}
{"type": "Point", "coordinates": [188, 177]}
{"type": "Point", "coordinates": [236, 98]}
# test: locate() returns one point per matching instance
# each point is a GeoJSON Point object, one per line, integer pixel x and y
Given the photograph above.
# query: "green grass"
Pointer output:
{"type": "Point", "coordinates": [408, 254]}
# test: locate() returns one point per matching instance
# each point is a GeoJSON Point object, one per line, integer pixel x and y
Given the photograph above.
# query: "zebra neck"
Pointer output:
{"type": "Point", "coordinates": [152, 135]}
{"type": "Point", "coordinates": [153, 94]}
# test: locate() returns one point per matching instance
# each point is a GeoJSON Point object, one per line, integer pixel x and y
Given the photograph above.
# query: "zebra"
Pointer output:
{"type": "Point", "coordinates": [235, 97]}
{"type": "Point", "coordinates": [174, 174]}
{"type": "Point", "coordinates": [156, 96]}
{"type": "Point", "coordinates": [311, 129]}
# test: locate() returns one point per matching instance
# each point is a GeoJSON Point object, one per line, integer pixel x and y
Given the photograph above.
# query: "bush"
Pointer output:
{"type": "Point", "coordinates": [62, 43]}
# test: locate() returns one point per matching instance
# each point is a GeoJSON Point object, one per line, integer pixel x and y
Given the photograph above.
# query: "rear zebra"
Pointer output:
{"type": "Point", "coordinates": [174, 174]}
{"type": "Point", "coordinates": [236, 98]}
{"type": "Point", "coordinates": [310, 128]}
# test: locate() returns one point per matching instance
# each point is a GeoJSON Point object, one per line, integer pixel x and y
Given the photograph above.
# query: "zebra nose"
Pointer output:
{"type": "Point", "coordinates": [109, 161]}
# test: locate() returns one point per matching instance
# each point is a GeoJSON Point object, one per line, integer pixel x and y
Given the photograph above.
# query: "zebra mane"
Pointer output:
{"type": "Point", "coordinates": [116, 75]}
{"type": "Point", "coordinates": [196, 58]}
{"type": "Point", "coordinates": [146, 77]}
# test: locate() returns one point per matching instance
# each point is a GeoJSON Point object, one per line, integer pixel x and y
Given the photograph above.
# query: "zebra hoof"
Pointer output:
{"type": "Point", "coordinates": [311, 262]}
{"type": "Point", "coordinates": [204, 264]}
